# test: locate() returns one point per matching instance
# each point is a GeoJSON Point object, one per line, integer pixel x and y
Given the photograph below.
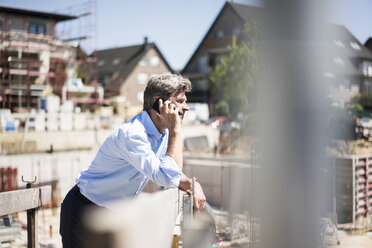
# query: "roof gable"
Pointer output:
{"type": "Point", "coordinates": [345, 52]}
{"type": "Point", "coordinates": [244, 12]}
{"type": "Point", "coordinates": [350, 46]}
{"type": "Point", "coordinates": [123, 60]}
{"type": "Point", "coordinates": [35, 13]}
{"type": "Point", "coordinates": [368, 44]}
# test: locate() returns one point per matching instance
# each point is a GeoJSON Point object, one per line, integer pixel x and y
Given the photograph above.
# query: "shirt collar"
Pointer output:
{"type": "Point", "coordinates": [150, 127]}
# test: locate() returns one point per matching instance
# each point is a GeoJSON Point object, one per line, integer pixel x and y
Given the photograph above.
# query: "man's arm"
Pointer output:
{"type": "Point", "coordinates": [174, 150]}
{"type": "Point", "coordinates": [175, 147]}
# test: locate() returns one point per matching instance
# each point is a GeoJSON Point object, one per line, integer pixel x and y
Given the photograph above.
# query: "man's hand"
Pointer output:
{"type": "Point", "coordinates": [186, 186]}
{"type": "Point", "coordinates": [170, 113]}
{"type": "Point", "coordinates": [199, 197]}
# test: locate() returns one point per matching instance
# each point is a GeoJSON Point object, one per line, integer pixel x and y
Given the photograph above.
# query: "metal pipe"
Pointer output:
{"type": "Point", "coordinates": [31, 234]}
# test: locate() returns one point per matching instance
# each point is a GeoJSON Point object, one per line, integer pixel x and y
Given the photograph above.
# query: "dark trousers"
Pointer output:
{"type": "Point", "coordinates": [72, 229]}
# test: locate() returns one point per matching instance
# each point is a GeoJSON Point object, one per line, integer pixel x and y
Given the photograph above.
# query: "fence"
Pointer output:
{"type": "Point", "coordinates": [29, 199]}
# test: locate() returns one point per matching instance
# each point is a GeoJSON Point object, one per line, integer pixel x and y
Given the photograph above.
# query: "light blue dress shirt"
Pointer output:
{"type": "Point", "coordinates": [125, 162]}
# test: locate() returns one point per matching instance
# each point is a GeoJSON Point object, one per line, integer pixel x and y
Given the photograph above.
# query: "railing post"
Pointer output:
{"type": "Point", "coordinates": [31, 235]}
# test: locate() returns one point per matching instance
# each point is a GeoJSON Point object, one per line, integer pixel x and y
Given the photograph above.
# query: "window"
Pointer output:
{"type": "Point", "coordinates": [101, 62]}
{"type": "Point", "coordinates": [367, 68]}
{"type": "Point", "coordinates": [329, 75]}
{"type": "Point", "coordinates": [142, 78]}
{"type": "Point", "coordinates": [212, 60]}
{"type": "Point", "coordinates": [202, 64]}
{"type": "Point", "coordinates": [347, 84]}
{"type": "Point", "coordinates": [338, 61]}
{"type": "Point", "coordinates": [104, 78]}
{"type": "Point", "coordinates": [140, 96]}
{"type": "Point", "coordinates": [219, 59]}
{"type": "Point", "coordinates": [367, 87]}
{"type": "Point", "coordinates": [33, 28]}
{"type": "Point", "coordinates": [236, 32]}
{"type": "Point", "coordinates": [220, 33]}
{"type": "Point", "coordinates": [355, 45]}
{"type": "Point", "coordinates": [41, 29]}
{"type": "Point", "coordinates": [339, 43]}
{"type": "Point", "coordinates": [154, 60]}
{"type": "Point", "coordinates": [116, 61]}
{"type": "Point", "coordinates": [201, 85]}
{"type": "Point", "coordinates": [143, 61]}
{"type": "Point", "coordinates": [115, 75]}
{"type": "Point", "coordinates": [37, 28]}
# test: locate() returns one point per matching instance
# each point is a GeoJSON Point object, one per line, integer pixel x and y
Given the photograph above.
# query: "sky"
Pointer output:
{"type": "Point", "coordinates": [178, 26]}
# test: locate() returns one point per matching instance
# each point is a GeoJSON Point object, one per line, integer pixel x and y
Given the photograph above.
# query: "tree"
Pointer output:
{"type": "Point", "coordinates": [234, 80]}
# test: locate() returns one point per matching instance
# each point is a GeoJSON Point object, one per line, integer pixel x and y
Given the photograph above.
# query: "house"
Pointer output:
{"type": "Point", "coordinates": [33, 60]}
{"type": "Point", "coordinates": [349, 66]}
{"type": "Point", "coordinates": [124, 71]}
{"type": "Point", "coordinates": [367, 67]}
{"type": "Point", "coordinates": [225, 30]}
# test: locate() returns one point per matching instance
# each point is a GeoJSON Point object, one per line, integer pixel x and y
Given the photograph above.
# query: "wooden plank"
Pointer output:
{"type": "Point", "coordinates": [21, 200]}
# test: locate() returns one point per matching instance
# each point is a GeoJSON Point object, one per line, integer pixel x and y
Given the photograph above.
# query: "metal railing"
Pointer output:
{"type": "Point", "coordinates": [29, 199]}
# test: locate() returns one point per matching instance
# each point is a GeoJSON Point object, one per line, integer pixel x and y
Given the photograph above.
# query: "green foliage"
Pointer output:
{"type": "Point", "coordinates": [222, 108]}
{"type": "Point", "coordinates": [80, 73]}
{"type": "Point", "coordinates": [361, 102]}
{"type": "Point", "coordinates": [81, 94]}
{"type": "Point", "coordinates": [234, 80]}
{"type": "Point", "coordinates": [356, 107]}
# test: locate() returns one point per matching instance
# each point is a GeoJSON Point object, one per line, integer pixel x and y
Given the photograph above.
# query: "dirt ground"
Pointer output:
{"type": "Point", "coordinates": [48, 236]}
{"type": "Point", "coordinates": [47, 221]}
{"type": "Point", "coordinates": [354, 241]}
{"type": "Point", "coordinates": [342, 147]}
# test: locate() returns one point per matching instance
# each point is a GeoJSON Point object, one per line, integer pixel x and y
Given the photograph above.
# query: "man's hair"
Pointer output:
{"type": "Point", "coordinates": [164, 86]}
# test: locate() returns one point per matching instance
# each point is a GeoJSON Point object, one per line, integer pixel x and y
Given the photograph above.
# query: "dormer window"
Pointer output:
{"type": "Point", "coordinates": [339, 43]}
{"type": "Point", "coordinates": [338, 61]}
{"type": "Point", "coordinates": [116, 61]}
{"type": "Point", "coordinates": [101, 62]}
{"type": "Point", "coordinates": [355, 45]}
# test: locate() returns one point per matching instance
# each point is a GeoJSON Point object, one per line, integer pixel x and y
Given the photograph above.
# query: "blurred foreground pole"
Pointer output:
{"type": "Point", "coordinates": [292, 123]}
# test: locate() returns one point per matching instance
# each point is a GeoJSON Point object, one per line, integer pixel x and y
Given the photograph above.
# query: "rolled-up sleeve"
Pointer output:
{"type": "Point", "coordinates": [137, 151]}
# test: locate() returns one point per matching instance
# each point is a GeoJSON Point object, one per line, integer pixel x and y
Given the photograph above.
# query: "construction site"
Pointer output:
{"type": "Point", "coordinates": [41, 56]}
{"type": "Point", "coordinates": [61, 97]}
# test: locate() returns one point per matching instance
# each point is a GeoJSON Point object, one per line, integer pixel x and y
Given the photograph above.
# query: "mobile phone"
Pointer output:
{"type": "Point", "coordinates": [156, 105]}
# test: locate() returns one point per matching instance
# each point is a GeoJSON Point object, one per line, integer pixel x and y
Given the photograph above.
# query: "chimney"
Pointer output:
{"type": "Point", "coordinates": [145, 43]}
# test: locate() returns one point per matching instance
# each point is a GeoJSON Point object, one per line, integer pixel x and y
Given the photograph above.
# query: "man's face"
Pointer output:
{"type": "Point", "coordinates": [180, 101]}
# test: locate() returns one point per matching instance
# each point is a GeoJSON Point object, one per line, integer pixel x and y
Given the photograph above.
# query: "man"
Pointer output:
{"type": "Point", "coordinates": [149, 146]}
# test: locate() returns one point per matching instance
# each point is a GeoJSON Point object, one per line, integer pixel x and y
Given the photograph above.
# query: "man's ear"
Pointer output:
{"type": "Point", "coordinates": [156, 99]}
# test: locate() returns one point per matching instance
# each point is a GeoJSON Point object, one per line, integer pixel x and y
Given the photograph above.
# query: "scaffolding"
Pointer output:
{"type": "Point", "coordinates": [39, 54]}
{"type": "Point", "coordinates": [82, 32]}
